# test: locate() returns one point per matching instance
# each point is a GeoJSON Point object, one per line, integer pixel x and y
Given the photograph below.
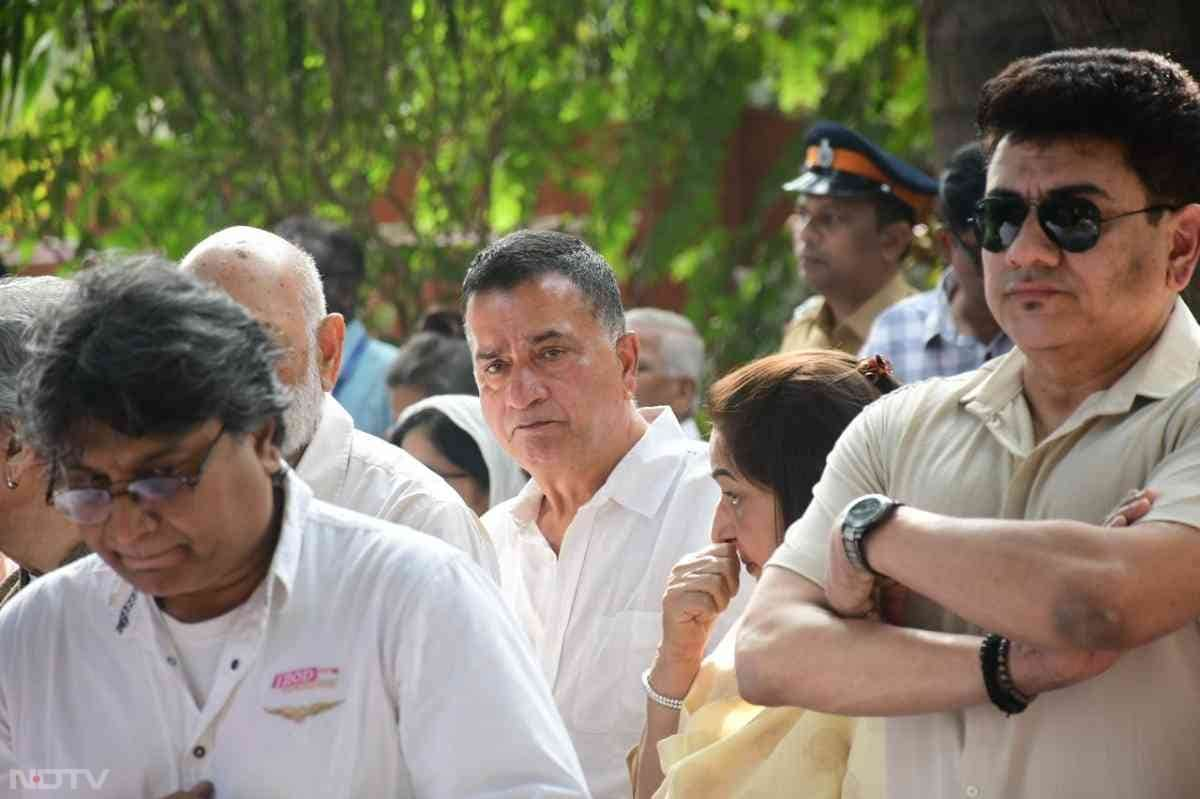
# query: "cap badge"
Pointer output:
{"type": "Point", "coordinates": [825, 155]}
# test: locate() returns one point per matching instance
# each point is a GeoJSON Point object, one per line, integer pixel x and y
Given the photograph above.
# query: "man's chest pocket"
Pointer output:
{"type": "Point", "coordinates": [609, 697]}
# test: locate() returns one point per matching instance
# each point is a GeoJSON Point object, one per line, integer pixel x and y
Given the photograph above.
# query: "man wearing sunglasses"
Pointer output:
{"type": "Point", "coordinates": [1027, 650]}
{"type": "Point", "coordinates": [235, 630]}
{"type": "Point", "coordinates": [950, 329]}
{"type": "Point", "coordinates": [851, 229]}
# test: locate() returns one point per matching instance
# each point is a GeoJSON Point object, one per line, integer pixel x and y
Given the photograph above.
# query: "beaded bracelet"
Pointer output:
{"type": "Point", "coordinates": [997, 676]}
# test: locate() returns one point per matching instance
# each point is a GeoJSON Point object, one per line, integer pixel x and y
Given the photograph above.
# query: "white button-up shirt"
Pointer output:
{"type": "Point", "coordinates": [594, 612]}
{"type": "Point", "coordinates": [352, 469]}
{"type": "Point", "coordinates": [375, 663]}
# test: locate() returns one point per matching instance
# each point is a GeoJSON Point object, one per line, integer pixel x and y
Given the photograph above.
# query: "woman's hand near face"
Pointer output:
{"type": "Point", "coordinates": [700, 588]}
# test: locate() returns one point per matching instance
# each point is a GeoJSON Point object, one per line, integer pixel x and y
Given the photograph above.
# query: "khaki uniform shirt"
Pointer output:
{"type": "Point", "coordinates": [813, 325]}
{"type": "Point", "coordinates": [964, 446]}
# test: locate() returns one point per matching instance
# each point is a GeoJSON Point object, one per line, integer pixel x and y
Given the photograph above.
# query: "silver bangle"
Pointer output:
{"type": "Point", "coordinates": [657, 698]}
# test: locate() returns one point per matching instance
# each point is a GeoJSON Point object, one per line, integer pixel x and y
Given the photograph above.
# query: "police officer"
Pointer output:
{"type": "Point", "coordinates": [852, 227]}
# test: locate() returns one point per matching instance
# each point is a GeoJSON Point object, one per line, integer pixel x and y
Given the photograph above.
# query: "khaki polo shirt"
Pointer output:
{"type": "Point", "coordinates": [813, 325]}
{"type": "Point", "coordinates": [964, 446]}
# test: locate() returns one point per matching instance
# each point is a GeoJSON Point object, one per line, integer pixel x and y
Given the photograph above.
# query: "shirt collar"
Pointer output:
{"type": "Point", "coordinates": [638, 482]}
{"type": "Point", "coordinates": [326, 459]}
{"type": "Point", "coordinates": [1172, 362]}
{"type": "Point", "coordinates": [863, 317]}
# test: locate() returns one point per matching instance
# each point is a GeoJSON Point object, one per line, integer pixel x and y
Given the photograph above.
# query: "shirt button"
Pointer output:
{"type": "Point", "coordinates": [972, 791]}
{"type": "Point", "coordinates": [235, 664]}
{"type": "Point", "coordinates": [171, 661]}
{"type": "Point", "coordinates": [199, 752]}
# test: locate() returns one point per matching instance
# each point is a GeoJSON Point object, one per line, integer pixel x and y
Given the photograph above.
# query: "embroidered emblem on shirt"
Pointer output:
{"type": "Point", "coordinates": [298, 713]}
{"type": "Point", "coordinates": [305, 679]}
{"type": "Point", "coordinates": [123, 617]}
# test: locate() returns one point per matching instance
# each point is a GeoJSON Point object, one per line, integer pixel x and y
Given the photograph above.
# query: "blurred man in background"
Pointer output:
{"type": "Point", "coordinates": [670, 363]}
{"type": "Point", "coordinates": [950, 329]}
{"type": "Point", "coordinates": [852, 227]}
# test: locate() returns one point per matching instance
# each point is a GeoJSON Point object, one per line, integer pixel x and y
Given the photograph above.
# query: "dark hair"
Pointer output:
{"type": "Point", "coordinates": [438, 364]}
{"type": "Point", "coordinates": [147, 350]}
{"type": "Point", "coordinates": [889, 210]}
{"type": "Point", "coordinates": [1143, 101]}
{"type": "Point", "coordinates": [446, 321]}
{"type": "Point", "coordinates": [780, 416]}
{"type": "Point", "coordinates": [963, 183]}
{"type": "Point", "coordinates": [451, 440]}
{"type": "Point", "coordinates": [529, 254]}
{"type": "Point", "coordinates": [337, 253]}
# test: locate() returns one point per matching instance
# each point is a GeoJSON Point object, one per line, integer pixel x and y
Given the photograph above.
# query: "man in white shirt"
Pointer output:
{"type": "Point", "coordinates": [618, 495]}
{"type": "Point", "coordinates": [239, 631]}
{"type": "Point", "coordinates": [279, 284]}
{"type": "Point", "coordinates": [670, 363]}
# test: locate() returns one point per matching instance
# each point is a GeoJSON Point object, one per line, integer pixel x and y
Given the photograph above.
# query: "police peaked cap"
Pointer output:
{"type": "Point", "coordinates": [840, 163]}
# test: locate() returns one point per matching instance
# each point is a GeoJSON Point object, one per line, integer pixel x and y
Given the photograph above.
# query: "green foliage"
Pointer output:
{"type": "Point", "coordinates": [147, 125]}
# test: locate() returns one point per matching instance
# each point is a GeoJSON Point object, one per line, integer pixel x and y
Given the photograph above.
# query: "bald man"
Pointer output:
{"type": "Point", "coordinates": [279, 284]}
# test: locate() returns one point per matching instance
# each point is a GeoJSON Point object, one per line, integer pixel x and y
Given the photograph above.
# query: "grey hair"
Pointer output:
{"type": "Point", "coordinates": [529, 254]}
{"type": "Point", "coordinates": [146, 349]}
{"type": "Point", "coordinates": [682, 347]}
{"type": "Point", "coordinates": [312, 295]}
{"type": "Point", "coordinates": [23, 302]}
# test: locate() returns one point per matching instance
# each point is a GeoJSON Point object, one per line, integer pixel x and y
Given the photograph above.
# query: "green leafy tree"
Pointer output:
{"type": "Point", "coordinates": [147, 125]}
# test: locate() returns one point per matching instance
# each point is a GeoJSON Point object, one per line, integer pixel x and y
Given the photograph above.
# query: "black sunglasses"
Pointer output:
{"type": "Point", "coordinates": [1071, 222]}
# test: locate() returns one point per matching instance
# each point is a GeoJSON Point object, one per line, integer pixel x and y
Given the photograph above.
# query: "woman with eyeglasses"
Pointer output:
{"type": "Point", "coordinates": [33, 535]}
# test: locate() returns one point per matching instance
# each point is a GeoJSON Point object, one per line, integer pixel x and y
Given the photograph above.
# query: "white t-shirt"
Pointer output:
{"type": "Point", "coordinates": [199, 645]}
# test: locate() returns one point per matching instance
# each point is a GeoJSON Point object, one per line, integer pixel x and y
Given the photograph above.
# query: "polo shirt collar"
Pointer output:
{"type": "Point", "coordinates": [637, 482]}
{"type": "Point", "coordinates": [326, 460]}
{"type": "Point", "coordinates": [864, 315]}
{"type": "Point", "coordinates": [1172, 362]}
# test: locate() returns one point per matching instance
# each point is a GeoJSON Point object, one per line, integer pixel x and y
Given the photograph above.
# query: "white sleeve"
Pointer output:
{"type": "Point", "coordinates": [476, 718]}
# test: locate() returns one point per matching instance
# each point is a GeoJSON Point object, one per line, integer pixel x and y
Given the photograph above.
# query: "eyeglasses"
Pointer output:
{"type": "Point", "coordinates": [95, 505]}
{"type": "Point", "coordinates": [1071, 222]}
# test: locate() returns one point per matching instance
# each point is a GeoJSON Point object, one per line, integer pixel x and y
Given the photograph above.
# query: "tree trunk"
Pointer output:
{"type": "Point", "coordinates": [967, 42]}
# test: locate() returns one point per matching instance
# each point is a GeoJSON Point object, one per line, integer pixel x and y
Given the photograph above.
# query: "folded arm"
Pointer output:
{"type": "Point", "coordinates": [1054, 584]}
{"type": "Point", "coordinates": [792, 649]}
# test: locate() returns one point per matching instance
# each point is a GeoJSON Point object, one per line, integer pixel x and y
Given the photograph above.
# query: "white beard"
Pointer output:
{"type": "Point", "coordinates": [303, 412]}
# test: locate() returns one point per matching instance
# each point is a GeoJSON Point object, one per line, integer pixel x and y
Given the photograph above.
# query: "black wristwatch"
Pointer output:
{"type": "Point", "coordinates": [858, 519]}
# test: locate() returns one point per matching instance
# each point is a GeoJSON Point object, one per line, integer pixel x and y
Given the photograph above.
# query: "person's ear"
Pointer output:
{"type": "Point", "coordinates": [1185, 247]}
{"type": "Point", "coordinates": [265, 449]}
{"type": "Point", "coordinates": [894, 240]}
{"type": "Point", "coordinates": [331, 335]}
{"type": "Point", "coordinates": [628, 348]}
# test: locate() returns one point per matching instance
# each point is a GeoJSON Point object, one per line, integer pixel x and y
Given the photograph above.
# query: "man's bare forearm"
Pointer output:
{"type": "Point", "coordinates": [791, 650]}
{"type": "Point", "coordinates": [1053, 584]}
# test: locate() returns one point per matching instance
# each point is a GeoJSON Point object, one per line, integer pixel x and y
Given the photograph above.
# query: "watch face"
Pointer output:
{"type": "Point", "coordinates": [865, 510]}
